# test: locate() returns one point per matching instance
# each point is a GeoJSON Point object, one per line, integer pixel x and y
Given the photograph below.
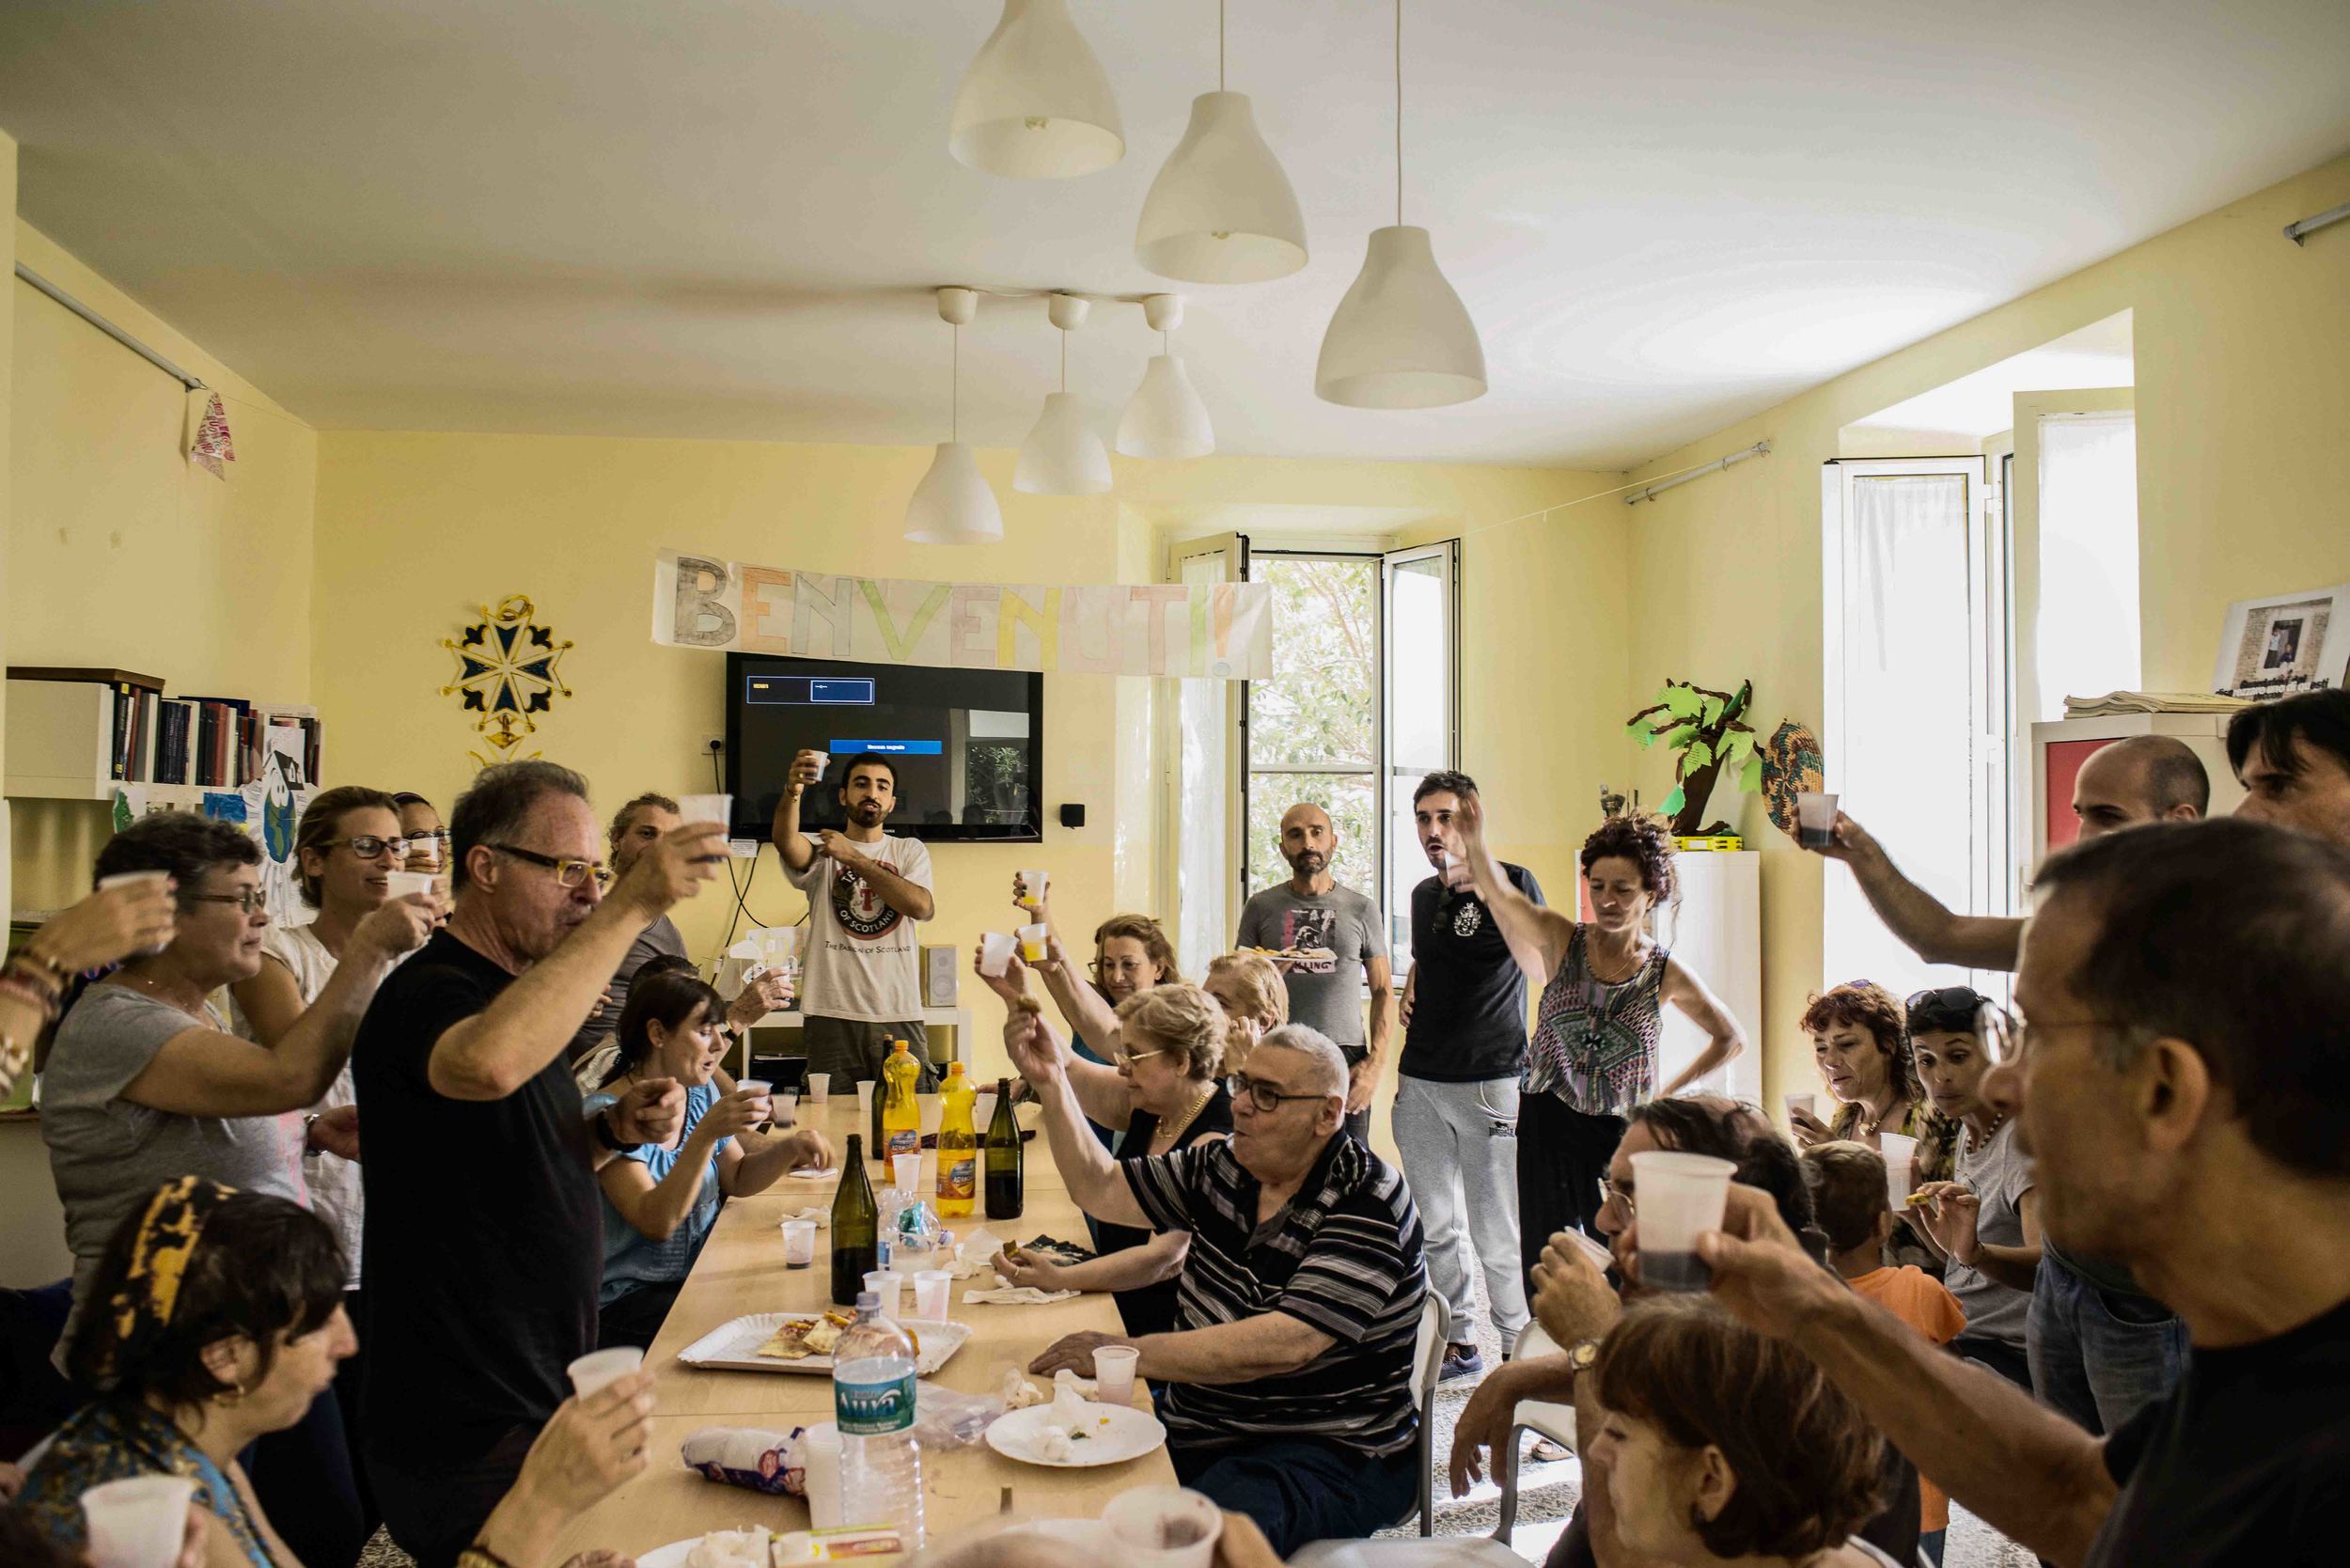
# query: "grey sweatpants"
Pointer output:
{"type": "Point", "coordinates": [1460, 1148]}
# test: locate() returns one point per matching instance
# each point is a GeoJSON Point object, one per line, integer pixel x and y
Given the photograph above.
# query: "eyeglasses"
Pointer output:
{"type": "Point", "coordinates": [437, 834]}
{"type": "Point", "coordinates": [1264, 1097]}
{"type": "Point", "coordinates": [367, 846]}
{"type": "Point", "coordinates": [1610, 1193]}
{"type": "Point", "coordinates": [569, 873]}
{"type": "Point", "coordinates": [253, 901]}
{"type": "Point", "coordinates": [1127, 1059]}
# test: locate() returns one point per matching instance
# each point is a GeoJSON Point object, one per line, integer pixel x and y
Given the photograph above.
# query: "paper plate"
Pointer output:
{"type": "Point", "coordinates": [1117, 1434]}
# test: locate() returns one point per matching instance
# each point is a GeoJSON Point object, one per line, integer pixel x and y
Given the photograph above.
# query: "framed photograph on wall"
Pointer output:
{"type": "Point", "coordinates": [2285, 644]}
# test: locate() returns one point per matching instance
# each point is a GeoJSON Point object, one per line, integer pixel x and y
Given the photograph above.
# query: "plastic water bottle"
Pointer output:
{"type": "Point", "coordinates": [873, 1395]}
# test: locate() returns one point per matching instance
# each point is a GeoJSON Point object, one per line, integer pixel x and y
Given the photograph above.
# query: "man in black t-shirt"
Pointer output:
{"type": "Point", "coordinates": [2186, 990]}
{"type": "Point", "coordinates": [484, 1238]}
{"type": "Point", "coordinates": [1456, 1099]}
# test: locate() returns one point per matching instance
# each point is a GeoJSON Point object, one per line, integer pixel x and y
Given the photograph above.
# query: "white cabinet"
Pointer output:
{"type": "Point", "coordinates": [1716, 932]}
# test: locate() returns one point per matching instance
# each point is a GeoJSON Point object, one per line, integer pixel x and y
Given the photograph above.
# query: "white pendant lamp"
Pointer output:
{"type": "Point", "coordinates": [1401, 337]}
{"type": "Point", "coordinates": [1035, 103]}
{"type": "Point", "coordinates": [1221, 210]}
{"type": "Point", "coordinates": [953, 505]}
{"type": "Point", "coordinates": [1165, 418]}
{"type": "Point", "coordinates": [1063, 456]}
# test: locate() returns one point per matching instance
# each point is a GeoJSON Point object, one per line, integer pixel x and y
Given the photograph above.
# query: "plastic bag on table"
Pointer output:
{"type": "Point", "coordinates": [945, 1420]}
{"type": "Point", "coordinates": [762, 1459]}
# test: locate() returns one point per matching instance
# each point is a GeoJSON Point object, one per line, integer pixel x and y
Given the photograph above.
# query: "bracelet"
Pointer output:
{"type": "Point", "coordinates": [479, 1556]}
{"type": "Point", "coordinates": [607, 1137]}
{"type": "Point", "coordinates": [11, 986]}
{"type": "Point", "coordinates": [32, 954]}
{"type": "Point", "coordinates": [38, 978]}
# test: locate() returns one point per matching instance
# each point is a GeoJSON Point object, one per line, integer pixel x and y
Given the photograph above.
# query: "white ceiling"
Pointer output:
{"type": "Point", "coordinates": [719, 218]}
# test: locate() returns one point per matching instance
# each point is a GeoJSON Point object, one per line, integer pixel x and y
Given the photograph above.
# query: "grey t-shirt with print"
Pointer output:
{"type": "Point", "coordinates": [1326, 993]}
{"type": "Point", "coordinates": [108, 1154]}
{"type": "Point", "coordinates": [1998, 1174]}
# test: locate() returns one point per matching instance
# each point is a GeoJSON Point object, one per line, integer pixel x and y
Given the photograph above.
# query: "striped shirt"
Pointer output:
{"type": "Point", "coordinates": [1343, 1255]}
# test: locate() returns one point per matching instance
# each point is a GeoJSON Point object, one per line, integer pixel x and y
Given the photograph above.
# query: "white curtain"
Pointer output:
{"type": "Point", "coordinates": [1911, 761]}
{"type": "Point", "coordinates": [1203, 799]}
{"type": "Point", "coordinates": [2088, 632]}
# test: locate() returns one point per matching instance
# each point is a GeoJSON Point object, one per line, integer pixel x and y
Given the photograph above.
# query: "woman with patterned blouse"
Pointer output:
{"type": "Point", "coordinates": [1604, 982]}
{"type": "Point", "coordinates": [217, 1316]}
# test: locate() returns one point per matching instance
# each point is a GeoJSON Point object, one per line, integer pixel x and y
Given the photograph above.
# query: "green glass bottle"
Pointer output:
{"type": "Point", "coordinates": [1007, 1173]}
{"type": "Point", "coordinates": [856, 1226]}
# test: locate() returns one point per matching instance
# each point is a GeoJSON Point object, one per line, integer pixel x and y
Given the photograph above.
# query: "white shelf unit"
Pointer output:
{"type": "Point", "coordinates": [1717, 933]}
{"type": "Point", "coordinates": [60, 742]}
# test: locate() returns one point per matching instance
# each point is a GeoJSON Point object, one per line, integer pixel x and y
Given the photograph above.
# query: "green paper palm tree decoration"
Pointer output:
{"type": "Point", "coordinates": [1707, 728]}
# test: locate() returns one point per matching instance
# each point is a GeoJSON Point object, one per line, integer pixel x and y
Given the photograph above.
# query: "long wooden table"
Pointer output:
{"type": "Point", "coordinates": [741, 1271]}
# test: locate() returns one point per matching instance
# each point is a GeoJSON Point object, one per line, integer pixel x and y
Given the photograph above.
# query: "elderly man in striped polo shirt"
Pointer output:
{"type": "Point", "coordinates": [1287, 1387]}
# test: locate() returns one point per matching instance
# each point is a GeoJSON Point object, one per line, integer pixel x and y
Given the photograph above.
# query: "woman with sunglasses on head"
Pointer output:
{"type": "Point", "coordinates": [221, 1320]}
{"type": "Point", "coordinates": [1986, 1218]}
{"type": "Point", "coordinates": [1165, 1094]}
{"type": "Point", "coordinates": [148, 1082]}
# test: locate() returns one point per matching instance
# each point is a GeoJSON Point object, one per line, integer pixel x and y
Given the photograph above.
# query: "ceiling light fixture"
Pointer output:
{"type": "Point", "coordinates": [1221, 210]}
{"type": "Point", "coordinates": [1063, 456]}
{"type": "Point", "coordinates": [953, 505]}
{"type": "Point", "coordinates": [1401, 337]}
{"type": "Point", "coordinates": [1035, 103]}
{"type": "Point", "coordinates": [1165, 418]}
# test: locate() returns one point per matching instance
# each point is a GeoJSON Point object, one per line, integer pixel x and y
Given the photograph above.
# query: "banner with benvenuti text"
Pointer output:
{"type": "Point", "coordinates": [1214, 631]}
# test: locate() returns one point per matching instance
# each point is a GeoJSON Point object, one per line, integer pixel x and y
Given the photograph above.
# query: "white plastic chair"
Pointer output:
{"type": "Point", "coordinates": [1435, 1325]}
{"type": "Point", "coordinates": [1541, 1417]}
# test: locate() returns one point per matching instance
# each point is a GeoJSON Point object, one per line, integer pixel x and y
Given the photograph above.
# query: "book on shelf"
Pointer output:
{"type": "Point", "coordinates": [2115, 703]}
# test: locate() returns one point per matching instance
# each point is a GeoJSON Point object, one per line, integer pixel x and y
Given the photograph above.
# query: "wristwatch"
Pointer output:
{"type": "Point", "coordinates": [607, 1137]}
{"type": "Point", "coordinates": [1581, 1355]}
{"type": "Point", "coordinates": [310, 1150]}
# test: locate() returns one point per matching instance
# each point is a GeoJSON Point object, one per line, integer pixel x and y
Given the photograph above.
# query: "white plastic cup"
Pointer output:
{"type": "Point", "coordinates": [1114, 1374]}
{"type": "Point", "coordinates": [889, 1285]}
{"type": "Point", "coordinates": [598, 1367]}
{"type": "Point", "coordinates": [995, 953]}
{"type": "Point", "coordinates": [1815, 819]}
{"type": "Point", "coordinates": [865, 1107]}
{"type": "Point", "coordinates": [906, 1170]}
{"type": "Point", "coordinates": [715, 810]}
{"type": "Point", "coordinates": [819, 1088]}
{"type": "Point", "coordinates": [1808, 1104]}
{"type": "Point", "coordinates": [931, 1108]}
{"type": "Point", "coordinates": [823, 760]}
{"type": "Point", "coordinates": [1901, 1168]}
{"type": "Point", "coordinates": [138, 1522]}
{"type": "Point", "coordinates": [983, 1111]}
{"type": "Point", "coordinates": [933, 1295]}
{"type": "Point", "coordinates": [799, 1242]}
{"type": "Point", "coordinates": [820, 1451]}
{"type": "Point", "coordinates": [401, 884]}
{"type": "Point", "coordinates": [1163, 1526]}
{"type": "Point", "coordinates": [1680, 1196]}
{"type": "Point", "coordinates": [1032, 943]}
{"type": "Point", "coordinates": [1036, 885]}
{"type": "Point", "coordinates": [124, 879]}
{"type": "Point", "coordinates": [786, 1107]}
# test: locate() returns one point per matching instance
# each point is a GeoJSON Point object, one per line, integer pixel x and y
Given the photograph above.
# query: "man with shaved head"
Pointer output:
{"type": "Point", "coordinates": [2145, 779]}
{"type": "Point", "coordinates": [2100, 1348]}
{"type": "Point", "coordinates": [1340, 947]}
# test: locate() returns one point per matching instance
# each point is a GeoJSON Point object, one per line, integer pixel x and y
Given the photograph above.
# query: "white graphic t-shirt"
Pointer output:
{"type": "Point", "coordinates": [864, 958]}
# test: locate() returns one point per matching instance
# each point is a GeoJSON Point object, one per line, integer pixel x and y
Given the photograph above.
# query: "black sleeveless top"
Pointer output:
{"type": "Point", "coordinates": [1151, 1308]}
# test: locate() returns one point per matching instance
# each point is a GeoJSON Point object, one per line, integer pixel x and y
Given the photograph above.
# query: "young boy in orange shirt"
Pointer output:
{"type": "Point", "coordinates": [1848, 1191]}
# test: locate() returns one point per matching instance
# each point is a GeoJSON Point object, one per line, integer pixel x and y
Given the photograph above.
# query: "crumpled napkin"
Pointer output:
{"type": "Point", "coordinates": [822, 1216]}
{"type": "Point", "coordinates": [974, 1257]}
{"type": "Point", "coordinates": [1016, 1296]}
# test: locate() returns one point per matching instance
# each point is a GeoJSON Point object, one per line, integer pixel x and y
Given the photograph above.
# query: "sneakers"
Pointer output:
{"type": "Point", "coordinates": [1460, 1362]}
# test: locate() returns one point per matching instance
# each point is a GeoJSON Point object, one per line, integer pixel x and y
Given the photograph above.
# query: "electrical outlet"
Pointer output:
{"type": "Point", "coordinates": [714, 743]}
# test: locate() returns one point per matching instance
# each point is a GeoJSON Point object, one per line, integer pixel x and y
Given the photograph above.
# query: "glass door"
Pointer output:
{"type": "Point", "coordinates": [1419, 709]}
{"type": "Point", "coordinates": [1205, 841]}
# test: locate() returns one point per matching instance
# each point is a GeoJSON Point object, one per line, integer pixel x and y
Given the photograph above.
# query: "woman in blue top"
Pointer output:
{"type": "Point", "coordinates": [1604, 982]}
{"type": "Point", "coordinates": [661, 1199]}
{"type": "Point", "coordinates": [216, 1317]}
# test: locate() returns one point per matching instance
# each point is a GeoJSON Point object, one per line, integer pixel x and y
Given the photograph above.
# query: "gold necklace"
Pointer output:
{"type": "Point", "coordinates": [1199, 1104]}
{"type": "Point", "coordinates": [1590, 952]}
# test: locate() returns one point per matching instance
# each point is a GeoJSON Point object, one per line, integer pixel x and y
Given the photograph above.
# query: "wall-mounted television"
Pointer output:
{"type": "Point", "coordinates": [967, 744]}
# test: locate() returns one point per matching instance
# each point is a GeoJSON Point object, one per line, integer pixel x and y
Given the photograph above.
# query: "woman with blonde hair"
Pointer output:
{"type": "Point", "coordinates": [1254, 998]}
{"type": "Point", "coordinates": [1166, 1093]}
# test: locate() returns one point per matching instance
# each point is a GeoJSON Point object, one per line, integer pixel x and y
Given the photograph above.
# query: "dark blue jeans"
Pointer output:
{"type": "Point", "coordinates": [2099, 1356]}
{"type": "Point", "coordinates": [1299, 1489]}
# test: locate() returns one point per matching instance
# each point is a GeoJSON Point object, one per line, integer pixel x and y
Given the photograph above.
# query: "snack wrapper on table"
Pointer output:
{"type": "Point", "coordinates": [761, 1458]}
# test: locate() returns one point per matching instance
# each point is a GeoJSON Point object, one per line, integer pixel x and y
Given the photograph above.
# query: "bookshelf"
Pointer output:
{"type": "Point", "coordinates": [88, 734]}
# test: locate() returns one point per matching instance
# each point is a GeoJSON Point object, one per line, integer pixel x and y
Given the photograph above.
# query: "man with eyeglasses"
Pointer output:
{"type": "Point", "coordinates": [2099, 1348]}
{"type": "Point", "coordinates": [861, 980]}
{"type": "Point", "coordinates": [1288, 1380]}
{"type": "Point", "coordinates": [2179, 1080]}
{"type": "Point", "coordinates": [484, 1223]}
{"type": "Point", "coordinates": [1346, 939]}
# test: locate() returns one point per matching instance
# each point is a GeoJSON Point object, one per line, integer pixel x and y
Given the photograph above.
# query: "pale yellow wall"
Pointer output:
{"type": "Point", "coordinates": [2243, 393]}
{"type": "Point", "coordinates": [123, 554]}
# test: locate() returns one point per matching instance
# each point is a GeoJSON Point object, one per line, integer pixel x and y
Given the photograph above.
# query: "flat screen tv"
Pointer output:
{"type": "Point", "coordinates": [967, 744]}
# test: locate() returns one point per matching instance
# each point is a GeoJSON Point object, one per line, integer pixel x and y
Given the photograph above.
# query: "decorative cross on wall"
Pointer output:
{"type": "Point", "coordinates": [506, 671]}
